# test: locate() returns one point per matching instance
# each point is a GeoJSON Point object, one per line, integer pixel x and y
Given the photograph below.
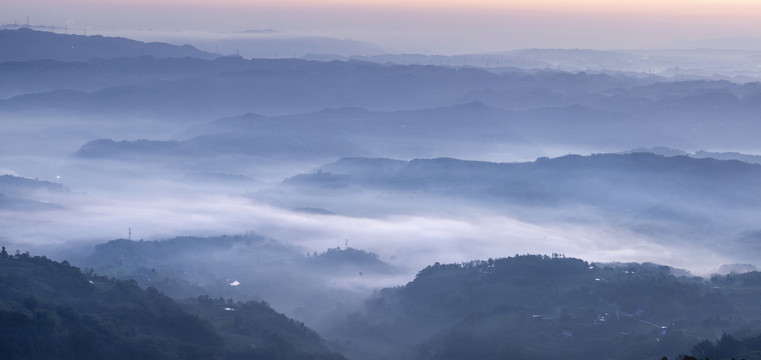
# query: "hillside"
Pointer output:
{"type": "Point", "coordinates": [308, 286]}
{"type": "Point", "coordinates": [53, 310]}
{"type": "Point", "coordinates": [549, 307]}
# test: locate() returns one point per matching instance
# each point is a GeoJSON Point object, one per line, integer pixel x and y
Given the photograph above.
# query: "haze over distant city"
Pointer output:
{"type": "Point", "coordinates": [420, 26]}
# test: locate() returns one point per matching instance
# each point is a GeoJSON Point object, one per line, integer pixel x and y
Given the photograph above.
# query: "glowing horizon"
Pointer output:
{"type": "Point", "coordinates": [445, 26]}
{"type": "Point", "coordinates": [663, 7]}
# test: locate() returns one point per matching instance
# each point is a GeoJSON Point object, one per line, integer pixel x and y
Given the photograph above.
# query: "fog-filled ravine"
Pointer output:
{"type": "Point", "coordinates": [374, 208]}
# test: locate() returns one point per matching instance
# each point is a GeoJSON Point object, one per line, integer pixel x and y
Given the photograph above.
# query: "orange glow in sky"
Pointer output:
{"type": "Point", "coordinates": [707, 7]}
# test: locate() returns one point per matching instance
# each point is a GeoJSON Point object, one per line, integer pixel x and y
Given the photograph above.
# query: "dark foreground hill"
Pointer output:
{"type": "Point", "coordinates": [551, 307]}
{"type": "Point", "coordinates": [51, 310]}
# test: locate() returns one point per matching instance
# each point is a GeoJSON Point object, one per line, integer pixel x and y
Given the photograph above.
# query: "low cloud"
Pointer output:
{"type": "Point", "coordinates": [409, 241]}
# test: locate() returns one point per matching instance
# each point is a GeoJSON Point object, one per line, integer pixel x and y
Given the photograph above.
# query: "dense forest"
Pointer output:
{"type": "Point", "coordinates": [521, 307]}
{"type": "Point", "coordinates": [52, 310]}
{"type": "Point", "coordinates": [550, 307]}
{"type": "Point", "coordinates": [249, 267]}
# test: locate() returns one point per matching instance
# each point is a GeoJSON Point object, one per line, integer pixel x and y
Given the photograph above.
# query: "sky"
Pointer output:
{"type": "Point", "coordinates": [418, 26]}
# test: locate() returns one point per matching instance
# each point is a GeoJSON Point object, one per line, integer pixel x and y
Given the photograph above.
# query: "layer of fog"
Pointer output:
{"type": "Point", "coordinates": [178, 197]}
{"type": "Point", "coordinates": [411, 241]}
{"type": "Point", "coordinates": [148, 200]}
{"type": "Point", "coordinates": [153, 196]}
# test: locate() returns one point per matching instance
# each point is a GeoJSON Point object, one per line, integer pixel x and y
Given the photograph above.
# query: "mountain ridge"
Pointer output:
{"type": "Point", "coordinates": [26, 44]}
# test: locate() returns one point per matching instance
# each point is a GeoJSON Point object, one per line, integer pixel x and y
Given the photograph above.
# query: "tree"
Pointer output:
{"type": "Point", "coordinates": [704, 350]}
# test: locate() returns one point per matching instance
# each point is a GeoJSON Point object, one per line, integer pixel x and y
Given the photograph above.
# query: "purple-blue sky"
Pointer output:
{"type": "Point", "coordinates": [425, 26]}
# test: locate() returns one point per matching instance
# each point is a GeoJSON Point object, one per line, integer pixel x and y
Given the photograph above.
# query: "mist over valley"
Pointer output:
{"type": "Point", "coordinates": [401, 209]}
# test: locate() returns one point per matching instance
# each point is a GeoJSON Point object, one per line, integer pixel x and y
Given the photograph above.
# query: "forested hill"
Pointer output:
{"type": "Point", "coordinates": [552, 307]}
{"type": "Point", "coordinates": [51, 310]}
{"type": "Point", "coordinates": [303, 284]}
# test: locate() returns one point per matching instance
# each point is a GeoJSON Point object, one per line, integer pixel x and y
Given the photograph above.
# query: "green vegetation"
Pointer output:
{"type": "Point", "coordinates": [51, 310]}
{"type": "Point", "coordinates": [255, 330]}
{"type": "Point", "coordinates": [522, 307]}
{"type": "Point", "coordinates": [549, 307]}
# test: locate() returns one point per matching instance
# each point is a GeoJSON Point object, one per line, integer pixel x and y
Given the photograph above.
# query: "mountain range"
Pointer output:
{"type": "Point", "coordinates": [26, 44]}
{"type": "Point", "coordinates": [418, 162]}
